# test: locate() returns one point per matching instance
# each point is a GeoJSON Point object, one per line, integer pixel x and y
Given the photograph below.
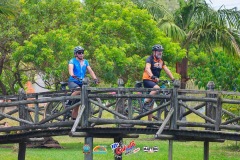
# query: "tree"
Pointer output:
{"type": "Point", "coordinates": [221, 68]}
{"type": "Point", "coordinates": [28, 25]}
{"type": "Point", "coordinates": [115, 34]}
{"type": "Point", "coordinates": [200, 28]}
{"type": "Point", "coordinates": [121, 38]}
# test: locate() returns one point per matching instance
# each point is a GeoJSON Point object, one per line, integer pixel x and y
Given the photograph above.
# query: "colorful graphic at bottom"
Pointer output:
{"type": "Point", "coordinates": [150, 149]}
{"type": "Point", "coordinates": [120, 148]}
{"type": "Point", "coordinates": [86, 149]}
{"type": "Point", "coordinates": [100, 150]}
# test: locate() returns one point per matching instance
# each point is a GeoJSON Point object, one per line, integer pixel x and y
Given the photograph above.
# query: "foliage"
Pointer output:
{"type": "Point", "coordinates": [122, 36]}
{"type": "Point", "coordinates": [30, 36]}
{"type": "Point", "coordinates": [6, 8]}
{"type": "Point", "coordinates": [45, 54]}
{"type": "Point", "coordinates": [201, 30]}
{"type": "Point", "coordinates": [116, 35]}
{"type": "Point", "coordinates": [221, 68]}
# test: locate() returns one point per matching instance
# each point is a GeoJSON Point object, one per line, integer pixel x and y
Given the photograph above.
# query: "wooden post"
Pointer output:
{"type": "Point", "coordinates": [170, 149]}
{"type": "Point", "coordinates": [36, 117]}
{"type": "Point", "coordinates": [85, 117]}
{"type": "Point", "coordinates": [89, 141]}
{"type": "Point", "coordinates": [85, 102]}
{"type": "Point", "coordinates": [175, 117]}
{"type": "Point", "coordinates": [174, 105]}
{"type": "Point", "coordinates": [218, 113]}
{"type": "Point", "coordinates": [209, 106]}
{"type": "Point", "coordinates": [22, 115]}
{"type": "Point", "coordinates": [206, 150]}
{"type": "Point", "coordinates": [209, 112]}
{"type": "Point", "coordinates": [120, 101]}
{"type": "Point", "coordinates": [118, 140]}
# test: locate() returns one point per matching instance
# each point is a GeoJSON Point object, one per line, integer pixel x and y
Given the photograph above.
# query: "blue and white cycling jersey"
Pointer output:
{"type": "Point", "coordinates": [78, 70]}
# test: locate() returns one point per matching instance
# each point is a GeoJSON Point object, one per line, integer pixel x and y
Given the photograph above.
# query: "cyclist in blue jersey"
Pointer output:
{"type": "Point", "coordinates": [77, 68]}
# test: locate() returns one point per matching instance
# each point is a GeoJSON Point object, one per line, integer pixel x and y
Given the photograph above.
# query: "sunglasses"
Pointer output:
{"type": "Point", "coordinates": [80, 52]}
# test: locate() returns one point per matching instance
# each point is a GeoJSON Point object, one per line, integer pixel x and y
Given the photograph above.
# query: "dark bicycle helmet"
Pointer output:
{"type": "Point", "coordinates": [78, 48]}
{"type": "Point", "coordinates": [157, 47]}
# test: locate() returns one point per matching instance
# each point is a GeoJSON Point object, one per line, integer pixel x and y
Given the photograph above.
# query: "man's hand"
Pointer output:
{"type": "Point", "coordinates": [75, 77]}
{"type": "Point", "coordinates": [154, 77]}
{"type": "Point", "coordinates": [96, 81]}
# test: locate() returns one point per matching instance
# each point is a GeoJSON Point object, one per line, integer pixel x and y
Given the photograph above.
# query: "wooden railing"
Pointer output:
{"type": "Point", "coordinates": [192, 112]}
{"type": "Point", "coordinates": [208, 106]}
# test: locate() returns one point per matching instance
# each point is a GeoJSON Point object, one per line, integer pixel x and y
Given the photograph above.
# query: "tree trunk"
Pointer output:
{"type": "Point", "coordinates": [182, 69]}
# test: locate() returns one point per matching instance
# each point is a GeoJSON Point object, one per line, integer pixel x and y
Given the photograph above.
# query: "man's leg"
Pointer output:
{"type": "Point", "coordinates": [75, 110]}
{"type": "Point", "coordinates": [148, 100]}
{"type": "Point", "coordinates": [72, 86]}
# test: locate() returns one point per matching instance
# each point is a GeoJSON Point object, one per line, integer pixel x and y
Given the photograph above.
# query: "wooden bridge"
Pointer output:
{"type": "Point", "coordinates": [113, 113]}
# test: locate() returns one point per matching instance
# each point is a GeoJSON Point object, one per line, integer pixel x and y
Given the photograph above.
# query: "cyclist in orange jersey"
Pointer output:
{"type": "Point", "coordinates": [151, 74]}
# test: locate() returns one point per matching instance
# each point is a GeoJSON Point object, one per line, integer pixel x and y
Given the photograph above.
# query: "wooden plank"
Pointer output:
{"type": "Point", "coordinates": [198, 113]}
{"type": "Point", "coordinates": [166, 120]}
{"type": "Point", "coordinates": [123, 121]}
{"type": "Point", "coordinates": [230, 101]}
{"type": "Point", "coordinates": [113, 96]}
{"type": "Point", "coordinates": [15, 119]}
{"type": "Point", "coordinates": [33, 101]}
{"type": "Point", "coordinates": [201, 99]}
{"type": "Point", "coordinates": [236, 119]}
{"type": "Point", "coordinates": [196, 108]}
{"type": "Point", "coordinates": [58, 114]}
{"type": "Point", "coordinates": [195, 124]}
{"type": "Point", "coordinates": [77, 121]}
{"type": "Point", "coordinates": [107, 109]}
{"type": "Point", "coordinates": [42, 126]}
{"type": "Point", "coordinates": [151, 111]}
{"type": "Point", "coordinates": [9, 113]}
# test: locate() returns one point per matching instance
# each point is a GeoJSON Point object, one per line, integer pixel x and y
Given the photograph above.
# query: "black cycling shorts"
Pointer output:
{"type": "Point", "coordinates": [73, 85]}
{"type": "Point", "coordinates": [148, 83]}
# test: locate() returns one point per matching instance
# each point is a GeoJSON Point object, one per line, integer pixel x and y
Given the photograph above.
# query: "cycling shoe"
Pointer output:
{"type": "Point", "coordinates": [147, 105]}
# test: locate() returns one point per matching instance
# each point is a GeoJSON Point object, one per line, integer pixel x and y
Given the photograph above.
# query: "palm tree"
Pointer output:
{"type": "Point", "coordinates": [196, 24]}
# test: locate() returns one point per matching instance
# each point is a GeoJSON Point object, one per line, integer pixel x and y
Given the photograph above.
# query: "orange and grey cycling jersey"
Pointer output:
{"type": "Point", "coordinates": [156, 67]}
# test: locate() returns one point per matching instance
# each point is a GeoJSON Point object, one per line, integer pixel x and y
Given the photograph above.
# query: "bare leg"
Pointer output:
{"type": "Point", "coordinates": [149, 99]}
{"type": "Point", "coordinates": [75, 110]}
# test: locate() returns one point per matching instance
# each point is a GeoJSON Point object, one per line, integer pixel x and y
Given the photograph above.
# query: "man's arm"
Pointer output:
{"type": "Point", "coordinates": [149, 72]}
{"type": "Point", "coordinates": [91, 72]}
{"type": "Point", "coordinates": [168, 72]}
{"type": "Point", "coordinates": [70, 69]}
{"type": "Point", "coordinates": [148, 69]}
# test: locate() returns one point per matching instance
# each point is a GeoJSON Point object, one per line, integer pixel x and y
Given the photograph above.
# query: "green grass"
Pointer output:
{"type": "Point", "coordinates": [72, 150]}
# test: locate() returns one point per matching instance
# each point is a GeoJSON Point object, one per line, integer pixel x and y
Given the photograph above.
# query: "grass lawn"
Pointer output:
{"type": "Point", "coordinates": [72, 150]}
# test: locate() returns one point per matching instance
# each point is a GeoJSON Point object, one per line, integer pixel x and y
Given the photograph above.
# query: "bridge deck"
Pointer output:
{"type": "Point", "coordinates": [179, 134]}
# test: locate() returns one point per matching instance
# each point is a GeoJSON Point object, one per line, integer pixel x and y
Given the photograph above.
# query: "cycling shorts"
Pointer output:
{"type": "Point", "coordinates": [73, 85]}
{"type": "Point", "coordinates": [148, 83]}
